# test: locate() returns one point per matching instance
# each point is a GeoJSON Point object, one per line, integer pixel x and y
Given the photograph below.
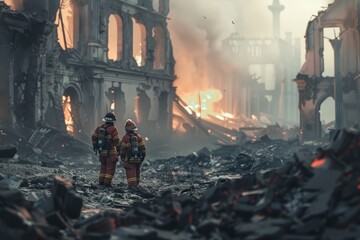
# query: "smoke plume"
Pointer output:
{"type": "Point", "coordinates": [198, 28]}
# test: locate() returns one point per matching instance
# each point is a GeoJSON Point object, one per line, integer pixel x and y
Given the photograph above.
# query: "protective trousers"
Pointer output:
{"type": "Point", "coordinates": [132, 173]}
{"type": "Point", "coordinates": [107, 170]}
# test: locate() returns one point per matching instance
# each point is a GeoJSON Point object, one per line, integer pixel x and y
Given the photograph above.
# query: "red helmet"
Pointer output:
{"type": "Point", "coordinates": [130, 125]}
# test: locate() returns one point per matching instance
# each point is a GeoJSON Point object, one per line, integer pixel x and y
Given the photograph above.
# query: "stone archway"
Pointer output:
{"type": "Point", "coordinates": [142, 106]}
{"type": "Point", "coordinates": [320, 100]}
{"type": "Point", "coordinates": [71, 108]}
{"type": "Point", "coordinates": [312, 93]}
{"type": "Point", "coordinates": [327, 114]}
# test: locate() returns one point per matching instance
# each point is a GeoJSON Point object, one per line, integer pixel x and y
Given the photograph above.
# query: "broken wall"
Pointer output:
{"type": "Point", "coordinates": [343, 15]}
{"type": "Point", "coordinates": [98, 72]}
{"type": "Point", "coordinates": [60, 73]}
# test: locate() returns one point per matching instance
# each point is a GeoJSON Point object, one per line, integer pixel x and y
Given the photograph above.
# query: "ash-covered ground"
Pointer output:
{"type": "Point", "coordinates": [268, 189]}
{"type": "Point", "coordinates": [192, 173]}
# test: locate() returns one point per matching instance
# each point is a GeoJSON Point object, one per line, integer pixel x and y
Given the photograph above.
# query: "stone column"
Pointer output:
{"type": "Point", "coordinates": [276, 9]}
{"type": "Point", "coordinates": [95, 50]}
{"type": "Point", "coordinates": [99, 110]}
{"type": "Point", "coordinates": [339, 119]}
{"type": "Point", "coordinates": [150, 47]}
{"type": "Point", "coordinates": [127, 40]}
{"type": "Point", "coordinates": [171, 98]}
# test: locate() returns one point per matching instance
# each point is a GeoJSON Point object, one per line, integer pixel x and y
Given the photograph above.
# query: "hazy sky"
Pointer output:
{"type": "Point", "coordinates": [197, 28]}
{"type": "Point", "coordinates": [252, 17]}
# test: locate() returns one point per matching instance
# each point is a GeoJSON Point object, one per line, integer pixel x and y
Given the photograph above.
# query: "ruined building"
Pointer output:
{"type": "Point", "coordinates": [344, 85]}
{"type": "Point", "coordinates": [269, 88]}
{"type": "Point", "coordinates": [65, 63]}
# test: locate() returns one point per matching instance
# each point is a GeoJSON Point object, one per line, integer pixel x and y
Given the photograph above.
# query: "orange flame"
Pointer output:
{"type": "Point", "coordinates": [138, 57]}
{"type": "Point", "coordinates": [66, 102]}
{"type": "Point", "coordinates": [203, 102]}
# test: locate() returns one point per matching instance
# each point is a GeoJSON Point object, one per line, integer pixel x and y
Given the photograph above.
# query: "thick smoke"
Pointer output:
{"type": "Point", "coordinates": [197, 30]}
{"type": "Point", "coordinates": [198, 27]}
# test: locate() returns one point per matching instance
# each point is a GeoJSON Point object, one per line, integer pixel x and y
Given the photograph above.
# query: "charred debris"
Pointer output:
{"type": "Point", "coordinates": [268, 189]}
{"type": "Point", "coordinates": [257, 182]}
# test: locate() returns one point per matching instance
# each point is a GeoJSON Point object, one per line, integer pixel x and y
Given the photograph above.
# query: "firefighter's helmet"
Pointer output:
{"type": "Point", "coordinates": [109, 117]}
{"type": "Point", "coordinates": [130, 125]}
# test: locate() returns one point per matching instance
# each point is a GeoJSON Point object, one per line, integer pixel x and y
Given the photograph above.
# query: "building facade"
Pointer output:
{"type": "Point", "coordinates": [344, 85]}
{"type": "Point", "coordinates": [67, 62]}
{"type": "Point", "coordinates": [269, 88]}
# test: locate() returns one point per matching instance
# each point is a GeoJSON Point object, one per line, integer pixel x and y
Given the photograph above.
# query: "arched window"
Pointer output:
{"type": "Point", "coordinates": [139, 43]}
{"type": "Point", "coordinates": [70, 104]}
{"type": "Point", "coordinates": [159, 36]}
{"type": "Point", "coordinates": [68, 20]}
{"type": "Point", "coordinates": [115, 37]}
{"type": "Point", "coordinates": [327, 113]}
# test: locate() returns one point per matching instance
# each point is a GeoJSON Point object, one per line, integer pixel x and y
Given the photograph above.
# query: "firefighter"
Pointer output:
{"type": "Point", "coordinates": [106, 142]}
{"type": "Point", "coordinates": [132, 153]}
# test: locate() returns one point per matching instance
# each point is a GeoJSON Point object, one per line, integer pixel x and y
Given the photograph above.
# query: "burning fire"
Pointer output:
{"type": "Point", "coordinates": [66, 102]}
{"type": "Point", "coordinates": [138, 59]}
{"type": "Point", "coordinates": [112, 107]}
{"type": "Point", "coordinates": [203, 102]}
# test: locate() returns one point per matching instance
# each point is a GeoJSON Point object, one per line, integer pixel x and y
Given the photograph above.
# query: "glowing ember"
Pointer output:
{"type": "Point", "coordinates": [228, 115]}
{"type": "Point", "coordinates": [254, 117]}
{"type": "Point", "coordinates": [66, 103]}
{"type": "Point", "coordinates": [112, 107]}
{"type": "Point", "coordinates": [220, 117]}
{"type": "Point", "coordinates": [318, 163]}
{"type": "Point", "coordinates": [138, 57]}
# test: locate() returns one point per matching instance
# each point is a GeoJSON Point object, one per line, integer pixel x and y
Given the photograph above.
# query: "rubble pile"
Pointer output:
{"type": "Point", "coordinates": [231, 160]}
{"type": "Point", "coordinates": [44, 146]}
{"type": "Point", "coordinates": [303, 200]}
{"type": "Point", "coordinates": [253, 191]}
{"type": "Point", "coordinates": [21, 220]}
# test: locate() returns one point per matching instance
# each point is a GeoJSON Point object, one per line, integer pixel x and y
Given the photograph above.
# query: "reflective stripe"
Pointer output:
{"type": "Point", "coordinates": [116, 137]}
{"type": "Point", "coordinates": [125, 144]}
{"type": "Point", "coordinates": [108, 176]}
{"type": "Point", "coordinates": [134, 179]}
{"type": "Point", "coordinates": [106, 151]}
{"type": "Point", "coordinates": [95, 135]}
{"type": "Point", "coordinates": [141, 144]}
{"type": "Point", "coordinates": [102, 175]}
